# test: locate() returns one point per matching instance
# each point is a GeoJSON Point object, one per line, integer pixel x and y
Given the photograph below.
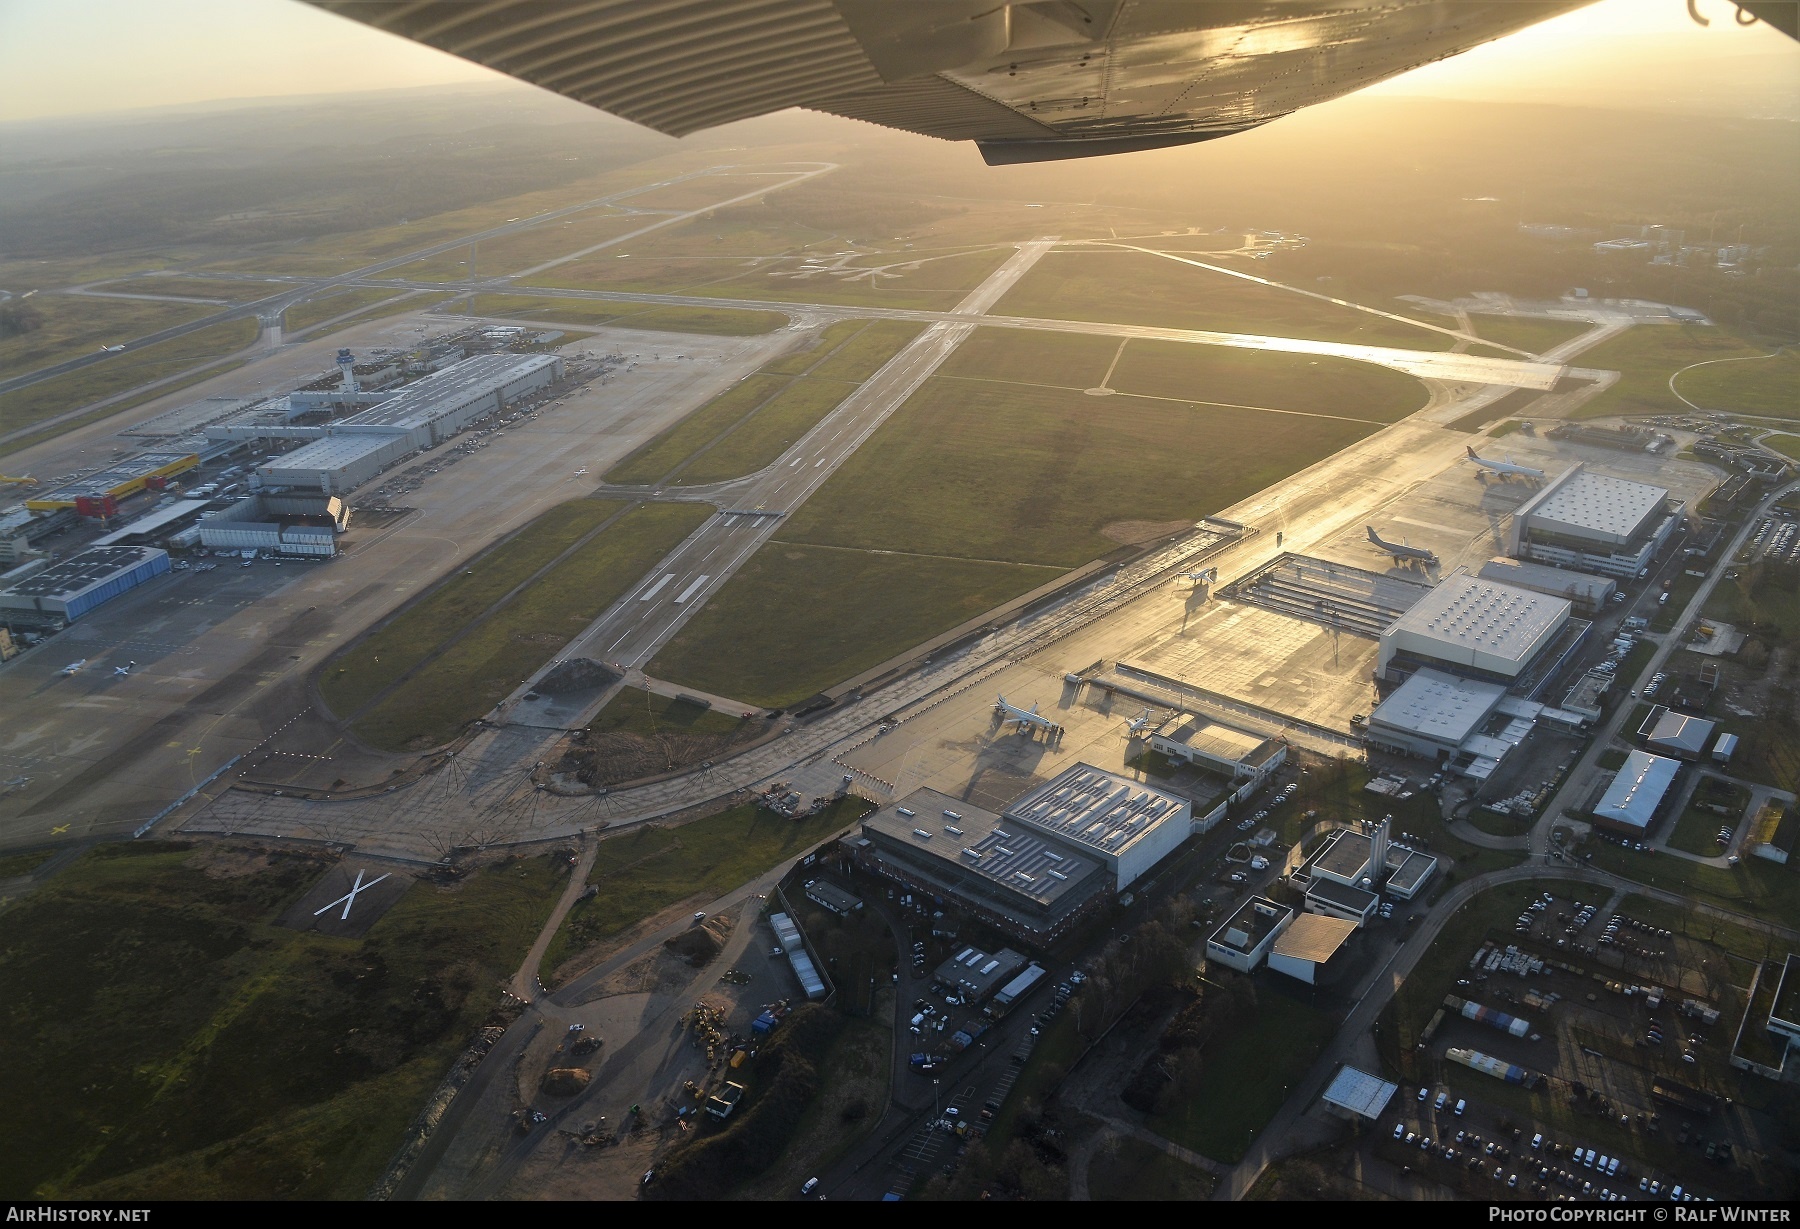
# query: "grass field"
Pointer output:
{"type": "Point", "coordinates": [1755, 886]}
{"type": "Point", "coordinates": [659, 318]}
{"type": "Point", "coordinates": [523, 249]}
{"type": "Point", "coordinates": [1246, 1076]}
{"type": "Point", "coordinates": [1124, 1168]}
{"type": "Point", "coordinates": [664, 453]}
{"type": "Point", "coordinates": [483, 665]}
{"type": "Point", "coordinates": [371, 665]}
{"type": "Point", "coordinates": [796, 619]}
{"type": "Point", "coordinates": [769, 430]}
{"type": "Point", "coordinates": [1133, 288]}
{"type": "Point", "coordinates": [752, 423]}
{"type": "Point", "coordinates": [1527, 333]}
{"type": "Point", "coordinates": [1222, 375]}
{"type": "Point", "coordinates": [308, 312]}
{"type": "Point", "coordinates": [636, 711]}
{"type": "Point", "coordinates": [1647, 355]}
{"type": "Point", "coordinates": [1786, 445]}
{"type": "Point", "coordinates": [1694, 832]}
{"type": "Point", "coordinates": [29, 406]}
{"type": "Point", "coordinates": [1022, 474]}
{"type": "Point", "coordinates": [16, 864]}
{"type": "Point", "coordinates": [645, 870]}
{"type": "Point", "coordinates": [1764, 386]}
{"type": "Point", "coordinates": [230, 290]}
{"type": "Point", "coordinates": [205, 1053]}
{"type": "Point", "coordinates": [73, 325]}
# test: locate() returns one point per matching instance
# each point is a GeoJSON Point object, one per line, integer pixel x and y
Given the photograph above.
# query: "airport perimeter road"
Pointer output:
{"type": "Point", "coordinates": [276, 303]}
{"type": "Point", "coordinates": [640, 623]}
{"type": "Point", "coordinates": [1580, 781]}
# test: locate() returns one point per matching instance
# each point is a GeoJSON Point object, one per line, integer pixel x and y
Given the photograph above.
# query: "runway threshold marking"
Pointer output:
{"type": "Point", "coordinates": [653, 590]}
{"type": "Point", "coordinates": [689, 591]}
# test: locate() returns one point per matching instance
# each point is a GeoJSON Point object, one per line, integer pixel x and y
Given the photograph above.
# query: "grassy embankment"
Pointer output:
{"type": "Point", "coordinates": [166, 1040]}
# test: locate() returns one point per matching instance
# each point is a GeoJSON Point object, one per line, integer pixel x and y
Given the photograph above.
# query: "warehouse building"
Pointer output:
{"type": "Point", "coordinates": [1679, 735]}
{"type": "Point", "coordinates": [1594, 523]}
{"type": "Point", "coordinates": [1474, 628]}
{"type": "Point", "coordinates": [827, 895]}
{"type": "Point", "coordinates": [337, 464]}
{"type": "Point", "coordinates": [98, 494]}
{"type": "Point", "coordinates": [291, 523]}
{"type": "Point", "coordinates": [974, 974]}
{"type": "Point", "coordinates": [1021, 882]}
{"type": "Point", "coordinates": [1306, 949]}
{"type": "Point", "coordinates": [1587, 594]}
{"type": "Point", "coordinates": [1244, 757]}
{"type": "Point", "coordinates": [157, 526]}
{"type": "Point", "coordinates": [345, 454]}
{"type": "Point", "coordinates": [1248, 935]}
{"type": "Point", "coordinates": [1127, 825]}
{"type": "Point", "coordinates": [64, 592]}
{"type": "Point", "coordinates": [1432, 714]}
{"type": "Point", "coordinates": [1631, 802]}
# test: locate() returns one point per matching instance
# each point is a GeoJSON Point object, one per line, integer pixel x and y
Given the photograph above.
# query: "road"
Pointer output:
{"type": "Point", "coordinates": [1580, 780]}
{"type": "Point", "coordinates": [640, 623]}
{"type": "Point", "coordinates": [273, 305]}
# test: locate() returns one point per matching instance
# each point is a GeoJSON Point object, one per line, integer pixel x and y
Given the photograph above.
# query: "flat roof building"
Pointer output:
{"type": "Point", "coordinates": [1667, 732]}
{"type": "Point", "coordinates": [1357, 1094]}
{"type": "Point", "coordinates": [1473, 627]}
{"type": "Point", "coordinates": [1026, 883]}
{"type": "Point", "coordinates": [64, 592]}
{"type": "Point", "coordinates": [1128, 825]}
{"type": "Point", "coordinates": [1432, 714]}
{"type": "Point", "coordinates": [1307, 946]}
{"type": "Point", "coordinates": [975, 974]}
{"type": "Point", "coordinates": [1201, 741]}
{"type": "Point", "coordinates": [337, 464]}
{"type": "Point", "coordinates": [1247, 937]}
{"type": "Point", "coordinates": [1339, 900]}
{"type": "Point", "coordinates": [1587, 594]}
{"type": "Point", "coordinates": [115, 482]}
{"type": "Point", "coordinates": [1593, 523]}
{"type": "Point", "coordinates": [1630, 803]}
{"type": "Point", "coordinates": [827, 895]}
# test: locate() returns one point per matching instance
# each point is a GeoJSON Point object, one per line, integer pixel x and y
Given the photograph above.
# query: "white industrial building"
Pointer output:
{"type": "Point", "coordinates": [1357, 1094]}
{"type": "Point", "coordinates": [1205, 743]}
{"type": "Point", "coordinates": [1630, 803]}
{"type": "Point", "coordinates": [1467, 725]}
{"type": "Point", "coordinates": [1247, 937]}
{"type": "Point", "coordinates": [1474, 627]}
{"type": "Point", "coordinates": [1587, 594]}
{"type": "Point", "coordinates": [344, 454]}
{"type": "Point", "coordinates": [1594, 523]}
{"type": "Point", "coordinates": [1343, 877]}
{"type": "Point", "coordinates": [336, 464]}
{"type": "Point", "coordinates": [292, 523]}
{"type": "Point", "coordinates": [1128, 825]}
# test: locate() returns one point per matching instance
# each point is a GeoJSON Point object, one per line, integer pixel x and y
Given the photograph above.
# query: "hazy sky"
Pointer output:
{"type": "Point", "coordinates": [64, 57]}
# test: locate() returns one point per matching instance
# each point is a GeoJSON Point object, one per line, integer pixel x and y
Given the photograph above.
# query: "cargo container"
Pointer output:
{"type": "Point", "coordinates": [1488, 1016]}
{"type": "Point", "coordinates": [966, 1036]}
{"type": "Point", "coordinates": [1487, 1064]}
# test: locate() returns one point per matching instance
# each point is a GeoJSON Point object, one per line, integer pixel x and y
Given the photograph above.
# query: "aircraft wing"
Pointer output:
{"type": "Point", "coordinates": [1026, 81]}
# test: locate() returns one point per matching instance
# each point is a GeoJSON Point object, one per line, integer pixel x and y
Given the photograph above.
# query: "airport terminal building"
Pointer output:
{"type": "Point", "coordinates": [1594, 523]}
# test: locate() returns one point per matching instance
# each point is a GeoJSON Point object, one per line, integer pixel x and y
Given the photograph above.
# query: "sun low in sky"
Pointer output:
{"type": "Point", "coordinates": [71, 57]}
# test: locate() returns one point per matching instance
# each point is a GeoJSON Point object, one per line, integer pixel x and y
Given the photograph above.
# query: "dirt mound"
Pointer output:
{"type": "Point", "coordinates": [1136, 533]}
{"type": "Point", "coordinates": [699, 946]}
{"type": "Point", "coordinates": [565, 1081]}
{"type": "Point", "coordinates": [576, 674]}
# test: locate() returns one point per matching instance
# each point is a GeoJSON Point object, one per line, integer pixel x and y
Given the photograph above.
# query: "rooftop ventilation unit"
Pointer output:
{"type": "Point", "coordinates": [922, 834]}
{"type": "Point", "coordinates": [904, 811]}
{"type": "Point", "coordinates": [953, 831]}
